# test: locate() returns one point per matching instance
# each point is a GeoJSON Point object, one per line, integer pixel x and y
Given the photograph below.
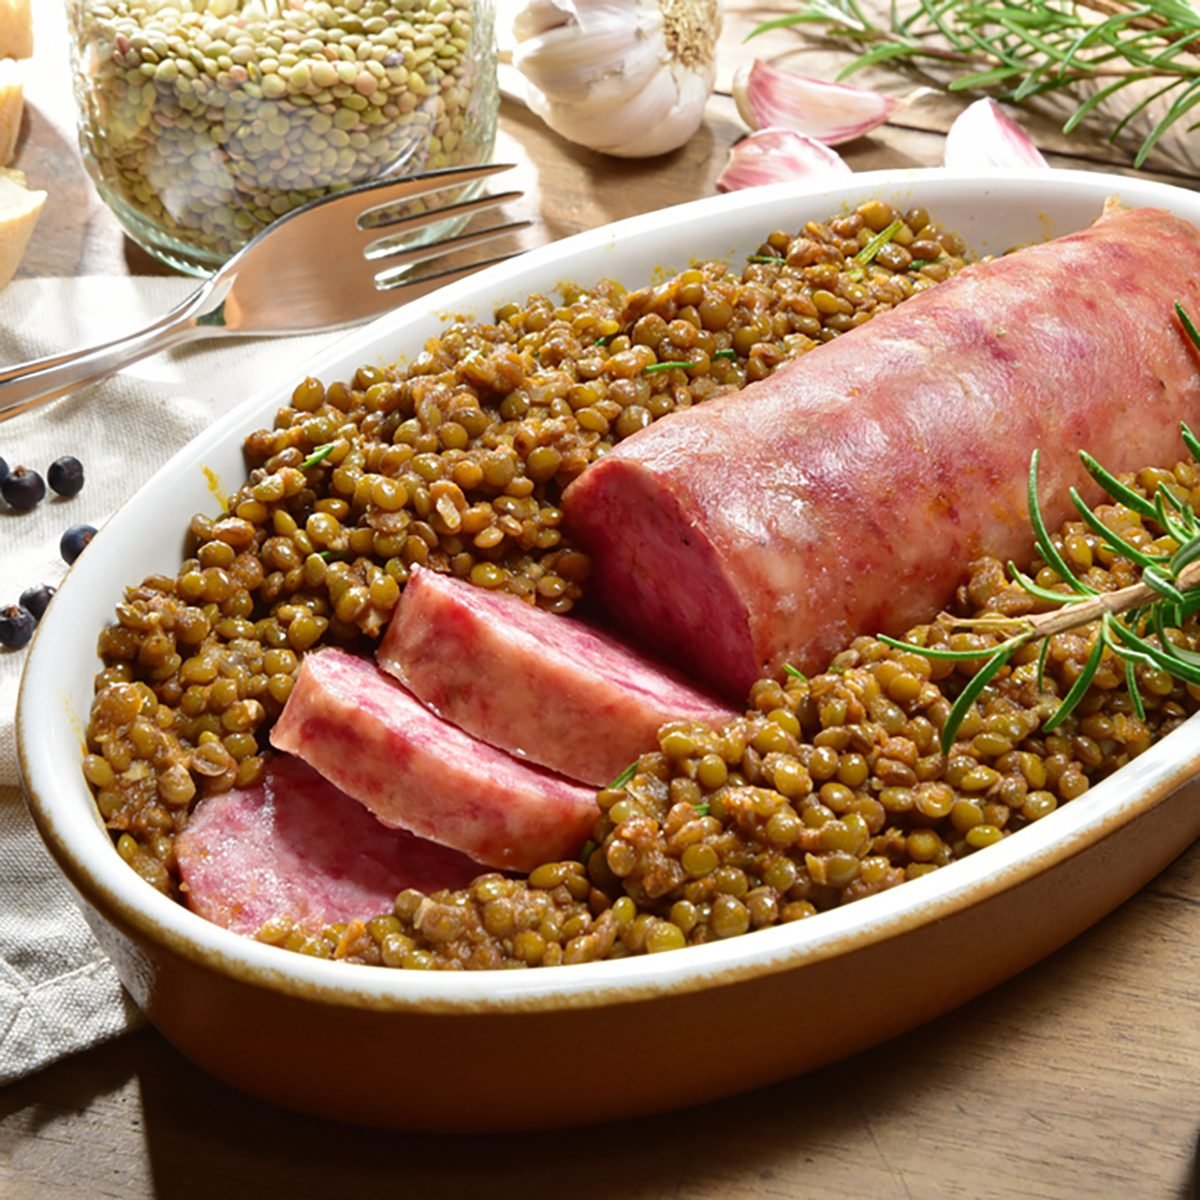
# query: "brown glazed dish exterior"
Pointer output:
{"type": "Point", "coordinates": [469, 1069]}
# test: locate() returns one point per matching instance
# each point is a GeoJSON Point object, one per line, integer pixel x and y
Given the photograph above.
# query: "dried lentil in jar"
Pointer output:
{"type": "Point", "coordinates": [826, 790]}
{"type": "Point", "coordinates": [202, 123]}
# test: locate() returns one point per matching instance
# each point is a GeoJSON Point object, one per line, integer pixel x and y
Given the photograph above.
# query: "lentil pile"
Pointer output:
{"type": "Point", "coordinates": [206, 123]}
{"type": "Point", "coordinates": [826, 790]}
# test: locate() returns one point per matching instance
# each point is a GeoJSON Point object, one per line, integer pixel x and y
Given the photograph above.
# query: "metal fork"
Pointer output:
{"type": "Point", "coordinates": [326, 265]}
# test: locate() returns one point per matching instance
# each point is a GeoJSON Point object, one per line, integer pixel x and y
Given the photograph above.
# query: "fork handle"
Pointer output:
{"type": "Point", "coordinates": [28, 385]}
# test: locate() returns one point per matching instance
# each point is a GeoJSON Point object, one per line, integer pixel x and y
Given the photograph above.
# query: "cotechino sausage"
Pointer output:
{"type": "Point", "coordinates": [847, 493]}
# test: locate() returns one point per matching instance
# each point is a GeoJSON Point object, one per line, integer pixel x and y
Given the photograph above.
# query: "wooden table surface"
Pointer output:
{"type": "Point", "coordinates": [1076, 1079]}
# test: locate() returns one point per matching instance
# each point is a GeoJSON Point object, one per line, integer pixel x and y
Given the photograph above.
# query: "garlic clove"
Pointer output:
{"type": "Point", "coordinates": [768, 98]}
{"type": "Point", "coordinates": [777, 155]}
{"type": "Point", "coordinates": [568, 71]}
{"type": "Point", "coordinates": [626, 77]}
{"type": "Point", "coordinates": [537, 16]}
{"type": "Point", "coordinates": [585, 46]}
{"type": "Point", "coordinates": [984, 135]}
{"type": "Point", "coordinates": [658, 117]}
{"type": "Point", "coordinates": [673, 121]}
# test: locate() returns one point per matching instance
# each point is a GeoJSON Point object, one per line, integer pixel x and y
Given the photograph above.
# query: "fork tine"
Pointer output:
{"type": "Point", "coordinates": [401, 250]}
{"type": "Point", "coordinates": [403, 255]}
{"type": "Point", "coordinates": [363, 198]}
{"type": "Point", "coordinates": [402, 281]}
{"type": "Point", "coordinates": [412, 187]}
{"type": "Point", "coordinates": [406, 223]}
{"type": "Point", "coordinates": [394, 245]}
{"type": "Point", "coordinates": [407, 255]}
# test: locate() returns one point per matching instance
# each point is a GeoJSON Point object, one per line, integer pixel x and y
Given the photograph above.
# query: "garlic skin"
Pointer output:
{"type": "Point", "coordinates": [625, 77]}
{"type": "Point", "coordinates": [776, 156]}
{"type": "Point", "coordinates": [833, 113]}
{"type": "Point", "coordinates": [984, 135]}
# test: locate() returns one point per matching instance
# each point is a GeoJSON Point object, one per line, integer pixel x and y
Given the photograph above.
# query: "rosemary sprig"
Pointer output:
{"type": "Point", "coordinates": [1027, 48]}
{"type": "Point", "coordinates": [1133, 623]}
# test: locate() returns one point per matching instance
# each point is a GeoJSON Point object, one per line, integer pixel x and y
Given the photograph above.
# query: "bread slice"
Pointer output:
{"type": "Point", "coordinates": [12, 101]}
{"type": "Point", "coordinates": [19, 211]}
{"type": "Point", "coordinates": [16, 29]}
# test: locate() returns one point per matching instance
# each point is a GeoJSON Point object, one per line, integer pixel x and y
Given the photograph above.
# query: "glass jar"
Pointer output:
{"type": "Point", "coordinates": [201, 121]}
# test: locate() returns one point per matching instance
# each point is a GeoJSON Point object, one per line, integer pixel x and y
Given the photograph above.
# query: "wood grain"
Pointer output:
{"type": "Point", "coordinates": [1077, 1079]}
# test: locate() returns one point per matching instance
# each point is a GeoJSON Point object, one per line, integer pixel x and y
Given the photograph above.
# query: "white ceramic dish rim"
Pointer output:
{"type": "Point", "coordinates": [62, 807]}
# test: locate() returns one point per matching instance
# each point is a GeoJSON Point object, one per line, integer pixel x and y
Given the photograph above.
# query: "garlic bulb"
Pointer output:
{"type": "Point", "coordinates": [626, 77]}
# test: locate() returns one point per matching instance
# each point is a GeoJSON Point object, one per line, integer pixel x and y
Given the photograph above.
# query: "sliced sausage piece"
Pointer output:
{"type": "Point", "coordinates": [846, 493]}
{"type": "Point", "coordinates": [297, 848]}
{"type": "Point", "coordinates": [548, 689]}
{"type": "Point", "coordinates": [377, 742]}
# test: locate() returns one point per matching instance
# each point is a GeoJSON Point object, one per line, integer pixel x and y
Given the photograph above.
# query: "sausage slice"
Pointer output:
{"type": "Point", "coordinates": [295, 847]}
{"type": "Point", "coordinates": [378, 743]}
{"type": "Point", "coordinates": [545, 688]}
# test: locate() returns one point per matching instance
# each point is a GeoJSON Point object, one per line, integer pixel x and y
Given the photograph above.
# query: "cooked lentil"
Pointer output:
{"type": "Point", "coordinates": [455, 460]}
{"type": "Point", "coordinates": [827, 789]}
{"type": "Point", "coordinates": [824, 791]}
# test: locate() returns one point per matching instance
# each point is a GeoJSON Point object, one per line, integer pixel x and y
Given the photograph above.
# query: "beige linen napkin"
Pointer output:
{"type": "Point", "coordinates": [58, 993]}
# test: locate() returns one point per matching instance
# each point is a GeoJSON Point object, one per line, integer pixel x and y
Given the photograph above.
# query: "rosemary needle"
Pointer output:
{"type": "Point", "coordinates": [867, 254]}
{"type": "Point", "coordinates": [319, 455]}
{"type": "Point", "coordinates": [625, 776]}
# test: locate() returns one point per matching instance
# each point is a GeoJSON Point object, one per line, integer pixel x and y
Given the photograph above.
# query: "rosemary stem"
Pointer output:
{"type": "Point", "coordinates": [1072, 616]}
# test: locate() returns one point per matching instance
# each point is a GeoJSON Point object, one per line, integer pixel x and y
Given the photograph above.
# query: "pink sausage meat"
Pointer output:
{"type": "Point", "coordinates": [365, 733]}
{"type": "Point", "coordinates": [296, 848]}
{"type": "Point", "coordinates": [547, 689]}
{"type": "Point", "coordinates": [845, 494]}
